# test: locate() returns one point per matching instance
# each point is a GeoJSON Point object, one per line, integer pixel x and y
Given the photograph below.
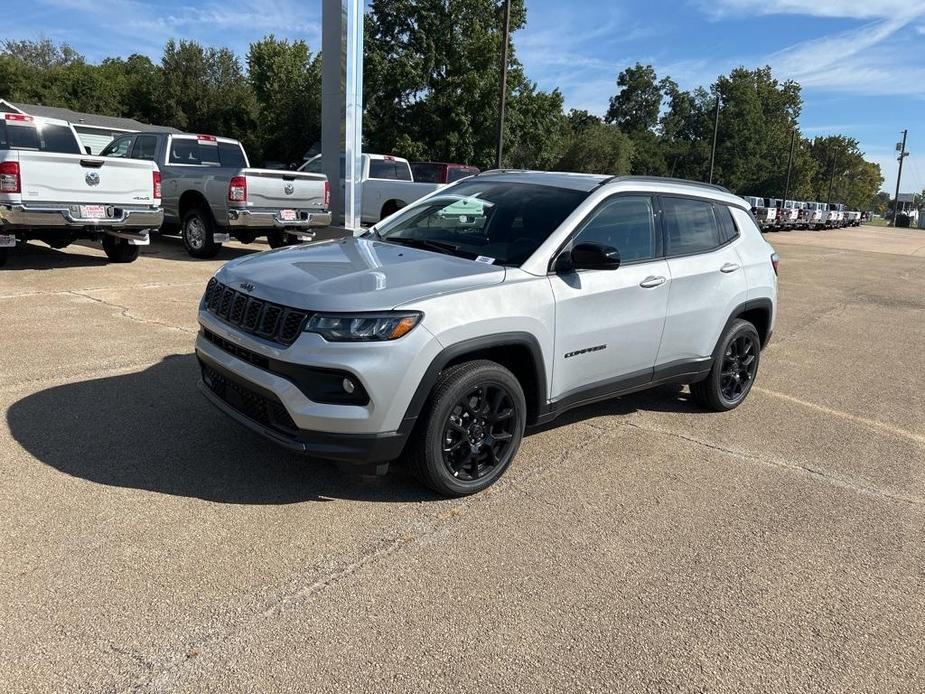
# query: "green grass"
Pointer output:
{"type": "Point", "coordinates": [878, 222]}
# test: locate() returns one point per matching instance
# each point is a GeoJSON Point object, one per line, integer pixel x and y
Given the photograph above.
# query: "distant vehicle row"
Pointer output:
{"type": "Point", "coordinates": [775, 214]}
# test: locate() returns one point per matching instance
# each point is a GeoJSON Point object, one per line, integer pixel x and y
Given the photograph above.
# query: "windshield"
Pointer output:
{"type": "Point", "coordinates": [492, 221]}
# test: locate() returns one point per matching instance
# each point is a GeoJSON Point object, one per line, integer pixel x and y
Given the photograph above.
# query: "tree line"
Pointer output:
{"type": "Point", "coordinates": [431, 85]}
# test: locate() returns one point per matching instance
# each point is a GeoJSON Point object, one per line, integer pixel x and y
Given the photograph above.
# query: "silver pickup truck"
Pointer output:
{"type": "Point", "coordinates": [211, 194]}
{"type": "Point", "coordinates": [52, 191]}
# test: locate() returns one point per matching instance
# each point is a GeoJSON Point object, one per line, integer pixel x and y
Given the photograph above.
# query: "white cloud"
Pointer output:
{"type": "Point", "coordinates": [855, 9]}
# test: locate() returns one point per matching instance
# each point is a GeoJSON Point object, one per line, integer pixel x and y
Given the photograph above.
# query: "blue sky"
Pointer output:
{"type": "Point", "coordinates": [861, 62]}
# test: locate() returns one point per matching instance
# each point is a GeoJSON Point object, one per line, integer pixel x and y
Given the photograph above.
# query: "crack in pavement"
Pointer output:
{"type": "Point", "coordinates": [125, 313]}
{"type": "Point", "coordinates": [163, 675]}
{"type": "Point", "coordinates": [781, 463]}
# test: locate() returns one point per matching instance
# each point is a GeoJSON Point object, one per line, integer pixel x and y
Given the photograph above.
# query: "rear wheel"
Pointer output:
{"type": "Point", "coordinates": [734, 369]}
{"type": "Point", "coordinates": [197, 231]}
{"type": "Point", "coordinates": [472, 429]}
{"type": "Point", "coordinates": [120, 250]}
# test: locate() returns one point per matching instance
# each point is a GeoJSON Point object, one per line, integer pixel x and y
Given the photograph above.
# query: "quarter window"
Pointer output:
{"type": "Point", "coordinates": [690, 226]}
{"type": "Point", "coordinates": [626, 223]}
{"type": "Point", "coordinates": [145, 147]}
{"type": "Point", "coordinates": [727, 227]}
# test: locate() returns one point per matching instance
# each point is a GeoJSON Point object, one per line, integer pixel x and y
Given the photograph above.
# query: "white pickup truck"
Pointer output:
{"type": "Point", "coordinates": [211, 192]}
{"type": "Point", "coordinates": [51, 191]}
{"type": "Point", "coordinates": [765, 214]}
{"type": "Point", "coordinates": [387, 185]}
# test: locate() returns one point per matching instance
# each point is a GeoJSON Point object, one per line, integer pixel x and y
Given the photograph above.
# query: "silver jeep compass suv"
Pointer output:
{"type": "Point", "coordinates": [490, 305]}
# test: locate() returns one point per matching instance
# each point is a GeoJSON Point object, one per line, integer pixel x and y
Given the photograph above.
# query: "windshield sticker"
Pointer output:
{"type": "Point", "coordinates": [484, 259]}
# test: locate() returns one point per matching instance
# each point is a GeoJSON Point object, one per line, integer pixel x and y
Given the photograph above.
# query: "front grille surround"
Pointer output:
{"type": "Point", "coordinates": [268, 411]}
{"type": "Point", "coordinates": [273, 322]}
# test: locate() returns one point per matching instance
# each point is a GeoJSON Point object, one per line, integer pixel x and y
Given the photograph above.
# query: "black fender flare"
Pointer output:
{"type": "Point", "coordinates": [763, 304]}
{"type": "Point", "coordinates": [474, 346]}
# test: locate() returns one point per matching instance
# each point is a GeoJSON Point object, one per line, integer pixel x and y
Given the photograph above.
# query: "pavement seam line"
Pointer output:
{"type": "Point", "coordinates": [873, 423]}
{"type": "Point", "coordinates": [126, 313]}
{"type": "Point", "coordinates": [58, 292]}
{"type": "Point", "coordinates": [781, 463]}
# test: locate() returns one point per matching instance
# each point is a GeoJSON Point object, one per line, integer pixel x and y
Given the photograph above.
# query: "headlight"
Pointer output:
{"type": "Point", "coordinates": [362, 327]}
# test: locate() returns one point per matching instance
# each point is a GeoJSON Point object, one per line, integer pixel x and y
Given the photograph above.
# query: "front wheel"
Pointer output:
{"type": "Point", "coordinates": [471, 430]}
{"type": "Point", "coordinates": [734, 369]}
{"type": "Point", "coordinates": [197, 232]}
{"type": "Point", "coordinates": [120, 250]}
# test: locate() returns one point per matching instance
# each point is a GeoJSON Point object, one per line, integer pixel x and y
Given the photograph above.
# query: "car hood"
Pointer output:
{"type": "Point", "coordinates": [354, 275]}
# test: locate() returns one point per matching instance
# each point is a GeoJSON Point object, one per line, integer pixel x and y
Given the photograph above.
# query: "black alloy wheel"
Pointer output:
{"type": "Point", "coordinates": [479, 432]}
{"type": "Point", "coordinates": [740, 364]}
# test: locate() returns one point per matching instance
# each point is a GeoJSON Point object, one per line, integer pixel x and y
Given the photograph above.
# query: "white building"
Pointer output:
{"type": "Point", "coordinates": [94, 131]}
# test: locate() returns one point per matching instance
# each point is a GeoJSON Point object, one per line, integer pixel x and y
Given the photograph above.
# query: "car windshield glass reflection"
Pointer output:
{"type": "Point", "coordinates": [502, 222]}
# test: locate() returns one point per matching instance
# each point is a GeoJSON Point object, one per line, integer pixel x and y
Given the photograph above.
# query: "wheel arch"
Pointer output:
{"type": "Point", "coordinates": [758, 312]}
{"type": "Point", "coordinates": [191, 199]}
{"type": "Point", "coordinates": [390, 207]}
{"type": "Point", "coordinates": [519, 352]}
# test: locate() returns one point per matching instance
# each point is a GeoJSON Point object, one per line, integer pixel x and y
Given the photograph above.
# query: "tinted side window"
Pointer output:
{"type": "Point", "coordinates": [117, 148]}
{"type": "Point", "coordinates": [379, 168]}
{"type": "Point", "coordinates": [59, 138]}
{"type": "Point", "coordinates": [428, 173]}
{"type": "Point", "coordinates": [626, 223]}
{"type": "Point", "coordinates": [231, 155]}
{"type": "Point", "coordinates": [690, 226]}
{"type": "Point", "coordinates": [456, 173]}
{"type": "Point", "coordinates": [727, 227]}
{"type": "Point", "coordinates": [18, 136]}
{"type": "Point", "coordinates": [184, 151]}
{"type": "Point", "coordinates": [145, 147]}
{"type": "Point", "coordinates": [402, 171]}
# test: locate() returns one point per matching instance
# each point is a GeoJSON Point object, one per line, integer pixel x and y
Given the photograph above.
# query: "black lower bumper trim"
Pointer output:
{"type": "Point", "coordinates": [346, 448]}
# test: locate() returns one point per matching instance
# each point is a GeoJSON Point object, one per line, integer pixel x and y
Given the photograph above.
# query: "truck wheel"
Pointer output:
{"type": "Point", "coordinates": [197, 233]}
{"type": "Point", "coordinates": [471, 430]}
{"type": "Point", "coordinates": [246, 236]}
{"type": "Point", "coordinates": [120, 250]}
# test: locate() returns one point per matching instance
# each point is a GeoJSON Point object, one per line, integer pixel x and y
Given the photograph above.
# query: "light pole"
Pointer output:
{"type": "Point", "coordinates": [715, 131]}
{"type": "Point", "coordinates": [793, 139]}
{"type": "Point", "coordinates": [504, 42]}
{"type": "Point", "coordinates": [901, 148]}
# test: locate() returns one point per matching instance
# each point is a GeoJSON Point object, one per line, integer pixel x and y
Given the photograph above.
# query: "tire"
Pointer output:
{"type": "Point", "coordinates": [197, 230]}
{"type": "Point", "coordinates": [735, 368]}
{"type": "Point", "coordinates": [278, 238]}
{"type": "Point", "coordinates": [120, 250]}
{"type": "Point", "coordinates": [455, 451]}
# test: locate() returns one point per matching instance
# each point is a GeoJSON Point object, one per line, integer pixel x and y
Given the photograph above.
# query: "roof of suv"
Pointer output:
{"type": "Point", "coordinates": [590, 182]}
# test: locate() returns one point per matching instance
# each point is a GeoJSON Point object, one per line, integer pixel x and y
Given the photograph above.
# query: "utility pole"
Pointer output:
{"type": "Point", "coordinates": [715, 131]}
{"type": "Point", "coordinates": [899, 177]}
{"type": "Point", "coordinates": [832, 178]}
{"type": "Point", "coordinates": [504, 42]}
{"type": "Point", "coordinates": [793, 139]}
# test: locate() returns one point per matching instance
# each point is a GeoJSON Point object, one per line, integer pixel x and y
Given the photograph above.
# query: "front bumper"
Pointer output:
{"type": "Point", "coordinates": [248, 218]}
{"type": "Point", "coordinates": [61, 215]}
{"type": "Point", "coordinates": [261, 411]}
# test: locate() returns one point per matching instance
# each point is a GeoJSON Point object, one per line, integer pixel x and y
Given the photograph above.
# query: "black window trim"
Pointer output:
{"type": "Point", "coordinates": [657, 222]}
{"type": "Point", "coordinates": [695, 198]}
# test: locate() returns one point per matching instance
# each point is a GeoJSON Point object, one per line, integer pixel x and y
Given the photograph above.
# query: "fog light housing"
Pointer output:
{"type": "Point", "coordinates": [349, 386]}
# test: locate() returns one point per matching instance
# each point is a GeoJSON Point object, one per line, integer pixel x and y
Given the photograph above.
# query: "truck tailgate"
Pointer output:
{"type": "Point", "coordinates": [272, 189]}
{"type": "Point", "coordinates": [53, 177]}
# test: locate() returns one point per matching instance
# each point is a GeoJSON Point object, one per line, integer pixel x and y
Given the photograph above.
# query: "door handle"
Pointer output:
{"type": "Point", "coordinates": [652, 281]}
{"type": "Point", "coordinates": [730, 267]}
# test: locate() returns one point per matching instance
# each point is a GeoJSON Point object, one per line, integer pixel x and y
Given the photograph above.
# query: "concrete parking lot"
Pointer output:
{"type": "Point", "coordinates": [149, 544]}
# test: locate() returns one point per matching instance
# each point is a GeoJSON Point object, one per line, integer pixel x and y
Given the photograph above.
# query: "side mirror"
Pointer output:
{"type": "Point", "coordinates": [588, 256]}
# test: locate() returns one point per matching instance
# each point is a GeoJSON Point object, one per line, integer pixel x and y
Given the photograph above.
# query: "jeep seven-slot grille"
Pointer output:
{"type": "Point", "coordinates": [272, 322]}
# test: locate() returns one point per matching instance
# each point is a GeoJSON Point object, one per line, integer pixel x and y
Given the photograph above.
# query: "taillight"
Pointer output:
{"type": "Point", "coordinates": [237, 189]}
{"type": "Point", "coordinates": [157, 184]}
{"type": "Point", "coordinates": [775, 262]}
{"type": "Point", "coordinates": [327, 195]}
{"type": "Point", "coordinates": [10, 182]}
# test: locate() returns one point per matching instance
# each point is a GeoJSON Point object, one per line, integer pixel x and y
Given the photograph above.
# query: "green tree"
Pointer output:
{"type": "Point", "coordinates": [636, 107]}
{"type": "Point", "coordinates": [286, 79]}
{"type": "Point", "coordinates": [599, 148]}
{"type": "Point", "coordinates": [855, 182]}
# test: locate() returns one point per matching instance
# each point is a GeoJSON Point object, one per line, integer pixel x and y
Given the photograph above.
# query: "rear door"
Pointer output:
{"type": "Point", "coordinates": [609, 322]}
{"type": "Point", "coordinates": [707, 278]}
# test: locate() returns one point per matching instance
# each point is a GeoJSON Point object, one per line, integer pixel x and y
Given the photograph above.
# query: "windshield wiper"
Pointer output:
{"type": "Point", "coordinates": [439, 246]}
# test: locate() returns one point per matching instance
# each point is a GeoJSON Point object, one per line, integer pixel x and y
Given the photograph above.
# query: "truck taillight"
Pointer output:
{"type": "Point", "coordinates": [19, 118]}
{"type": "Point", "coordinates": [775, 263]}
{"type": "Point", "coordinates": [237, 189]}
{"type": "Point", "coordinates": [10, 182]}
{"type": "Point", "coordinates": [327, 195]}
{"type": "Point", "coordinates": [157, 184]}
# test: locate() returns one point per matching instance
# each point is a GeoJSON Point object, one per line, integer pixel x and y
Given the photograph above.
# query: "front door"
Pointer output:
{"type": "Point", "coordinates": [609, 322]}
